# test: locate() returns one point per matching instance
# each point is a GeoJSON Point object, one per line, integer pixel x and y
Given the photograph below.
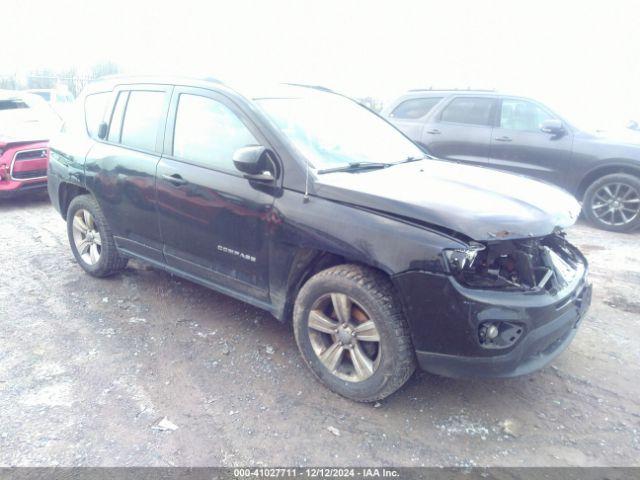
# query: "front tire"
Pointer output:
{"type": "Point", "coordinates": [352, 334]}
{"type": "Point", "coordinates": [91, 239]}
{"type": "Point", "coordinates": [613, 203]}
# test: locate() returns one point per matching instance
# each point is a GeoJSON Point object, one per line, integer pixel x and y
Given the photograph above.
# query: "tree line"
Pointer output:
{"type": "Point", "coordinates": [71, 78]}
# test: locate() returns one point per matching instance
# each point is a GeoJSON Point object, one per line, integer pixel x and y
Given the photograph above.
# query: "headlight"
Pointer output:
{"type": "Point", "coordinates": [460, 258]}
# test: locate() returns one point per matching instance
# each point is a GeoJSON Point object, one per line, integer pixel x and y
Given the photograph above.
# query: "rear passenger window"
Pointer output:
{"type": "Point", "coordinates": [141, 119]}
{"type": "Point", "coordinates": [94, 107]}
{"type": "Point", "coordinates": [415, 108]}
{"type": "Point", "coordinates": [12, 104]}
{"type": "Point", "coordinates": [208, 132]}
{"type": "Point", "coordinates": [469, 110]}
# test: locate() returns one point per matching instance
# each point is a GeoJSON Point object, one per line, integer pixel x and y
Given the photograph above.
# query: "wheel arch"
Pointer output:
{"type": "Point", "coordinates": [307, 263]}
{"type": "Point", "coordinates": [66, 193]}
{"type": "Point", "coordinates": [613, 166]}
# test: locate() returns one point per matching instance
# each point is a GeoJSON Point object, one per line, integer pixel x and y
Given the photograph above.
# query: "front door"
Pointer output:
{"type": "Point", "coordinates": [214, 222]}
{"type": "Point", "coordinates": [461, 130]}
{"type": "Point", "coordinates": [518, 144]}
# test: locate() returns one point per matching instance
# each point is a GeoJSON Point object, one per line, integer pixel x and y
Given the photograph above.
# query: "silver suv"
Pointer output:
{"type": "Point", "coordinates": [524, 136]}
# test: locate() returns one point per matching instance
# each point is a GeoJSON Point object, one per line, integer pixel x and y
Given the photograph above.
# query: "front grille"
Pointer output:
{"type": "Point", "coordinates": [29, 174]}
{"type": "Point", "coordinates": [29, 164]}
{"type": "Point", "coordinates": [31, 154]}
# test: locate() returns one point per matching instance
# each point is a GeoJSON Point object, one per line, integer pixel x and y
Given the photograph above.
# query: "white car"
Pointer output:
{"type": "Point", "coordinates": [59, 98]}
{"type": "Point", "coordinates": [27, 116]}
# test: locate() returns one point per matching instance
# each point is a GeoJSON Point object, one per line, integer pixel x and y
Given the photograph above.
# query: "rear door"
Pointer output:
{"type": "Point", "coordinates": [461, 129]}
{"type": "Point", "coordinates": [518, 144]}
{"type": "Point", "coordinates": [121, 169]}
{"type": "Point", "coordinates": [214, 222]}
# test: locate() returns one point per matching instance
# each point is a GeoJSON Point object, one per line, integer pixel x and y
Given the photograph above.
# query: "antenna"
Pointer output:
{"type": "Point", "coordinates": [305, 199]}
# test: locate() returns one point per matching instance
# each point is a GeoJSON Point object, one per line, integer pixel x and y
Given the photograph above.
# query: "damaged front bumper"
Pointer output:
{"type": "Point", "coordinates": [532, 324]}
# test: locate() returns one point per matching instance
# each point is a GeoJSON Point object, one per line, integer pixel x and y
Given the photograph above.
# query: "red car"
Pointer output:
{"type": "Point", "coordinates": [23, 167]}
{"type": "Point", "coordinates": [26, 122]}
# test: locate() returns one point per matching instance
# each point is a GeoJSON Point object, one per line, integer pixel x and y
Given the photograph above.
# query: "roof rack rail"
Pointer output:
{"type": "Point", "coordinates": [315, 87]}
{"type": "Point", "coordinates": [468, 89]}
{"type": "Point", "coordinates": [152, 77]}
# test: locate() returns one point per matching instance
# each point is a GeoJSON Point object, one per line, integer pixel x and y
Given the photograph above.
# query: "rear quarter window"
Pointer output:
{"type": "Point", "coordinates": [12, 104]}
{"type": "Point", "coordinates": [415, 107]}
{"type": "Point", "coordinates": [94, 109]}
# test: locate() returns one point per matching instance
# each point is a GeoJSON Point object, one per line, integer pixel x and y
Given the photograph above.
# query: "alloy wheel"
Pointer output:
{"type": "Point", "coordinates": [616, 204]}
{"type": "Point", "coordinates": [344, 337]}
{"type": "Point", "coordinates": [86, 237]}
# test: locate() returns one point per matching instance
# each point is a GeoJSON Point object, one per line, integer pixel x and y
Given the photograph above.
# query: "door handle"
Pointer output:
{"type": "Point", "coordinates": [503, 139]}
{"type": "Point", "coordinates": [175, 179]}
{"type": "Point", "coordinates": [434, 131]}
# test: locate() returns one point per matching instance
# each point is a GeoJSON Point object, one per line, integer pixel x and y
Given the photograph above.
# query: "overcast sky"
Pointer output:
{"type": "Point", "coordinates": [582, 57]}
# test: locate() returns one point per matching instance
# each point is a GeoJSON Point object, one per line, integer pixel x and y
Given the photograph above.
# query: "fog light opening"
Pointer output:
{"type": "Point", "coordinates": [499, 334]}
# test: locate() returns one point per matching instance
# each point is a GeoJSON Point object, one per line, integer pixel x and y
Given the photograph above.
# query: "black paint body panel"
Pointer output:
{"type": "Point", "coordinates": [259, 241]}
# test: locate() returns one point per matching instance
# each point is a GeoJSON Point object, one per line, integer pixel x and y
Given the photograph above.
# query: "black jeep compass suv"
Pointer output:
{"type": "Point", "coordinates": [305, 204]}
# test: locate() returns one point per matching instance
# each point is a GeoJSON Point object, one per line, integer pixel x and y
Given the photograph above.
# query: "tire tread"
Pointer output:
{"type": "Point", "coordinates": [378, 285]}
{"type": "Point", "coordinates": [114, 262]}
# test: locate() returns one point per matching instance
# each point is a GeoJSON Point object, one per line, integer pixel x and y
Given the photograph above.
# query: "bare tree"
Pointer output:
{"type": "Point", "coordinates": [104, 68]}
{"type": "Point", "coordinates": [8, 82]}
{"type": "Point", "coordinates": [371, 103]}
{"type": "Point", "coordinates": [75, 82]}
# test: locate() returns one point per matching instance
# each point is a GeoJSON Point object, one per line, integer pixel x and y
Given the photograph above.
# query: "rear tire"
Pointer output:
{"type": "Point", "coordinates": [613, 203]}
{"type": "Point", "coordinates": [375, 353]}
{"type": "Point", "coordinates": [91, 238]}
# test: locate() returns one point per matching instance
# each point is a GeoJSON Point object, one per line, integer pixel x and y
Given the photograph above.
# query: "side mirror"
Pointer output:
{"type": "Point", "coordinates": [552, 125]}
{"type": "Point", "coordinates": [102, 130]}
{"type": "Point", "coordinates": [255, 162]}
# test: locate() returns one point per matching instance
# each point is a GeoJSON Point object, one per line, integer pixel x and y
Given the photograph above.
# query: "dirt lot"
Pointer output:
{"type": "Point", "coordinates": [89, 367]}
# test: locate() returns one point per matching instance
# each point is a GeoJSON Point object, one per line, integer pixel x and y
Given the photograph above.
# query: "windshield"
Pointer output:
{"type": "Point", "coordinates": [333, 131]}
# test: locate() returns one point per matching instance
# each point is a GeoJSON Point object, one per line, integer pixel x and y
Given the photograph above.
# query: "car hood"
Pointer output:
{"type": "Point", "coordinates": [480, 203]}
{"type": "Point", "coordinates": [617, 137]}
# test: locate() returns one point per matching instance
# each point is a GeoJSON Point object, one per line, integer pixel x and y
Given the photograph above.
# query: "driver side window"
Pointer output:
{"type": "Point", "coordinates": [208, 132]}
{"type": "Point", "coordinates": [522, 115]}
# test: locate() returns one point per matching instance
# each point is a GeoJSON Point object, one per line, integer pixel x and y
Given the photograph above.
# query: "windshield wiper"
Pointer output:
{"type": "Point", "coordinates": [353, 166]}
{"type": "Point", "coordinates": [414, 159]}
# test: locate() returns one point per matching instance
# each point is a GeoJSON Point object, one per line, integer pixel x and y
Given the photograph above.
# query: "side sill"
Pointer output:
{"type": "Point", "coordinates": [200, 281]}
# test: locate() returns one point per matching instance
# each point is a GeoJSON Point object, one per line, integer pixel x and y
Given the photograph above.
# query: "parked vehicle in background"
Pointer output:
{"type": "Point", "coordinates": [26, 123]}
{"type": "Point", "coordinates": [23, 167]}
{"type": "Point", "coordinates": [59, 98]}
{"type": "Point", "coordinates": [524, 136]}
{"type": "Point", "coordinates": [306, 204]}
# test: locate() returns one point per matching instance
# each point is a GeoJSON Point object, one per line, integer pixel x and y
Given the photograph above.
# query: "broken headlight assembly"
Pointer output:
{"type": "Point", "coordinates": [546, 263]}
{"type": "Point", "coordinates": [460, 258]}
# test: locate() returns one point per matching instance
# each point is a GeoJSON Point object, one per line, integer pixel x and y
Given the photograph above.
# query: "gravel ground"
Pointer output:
{"type": "Point", "coordinates": [89, 369]}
